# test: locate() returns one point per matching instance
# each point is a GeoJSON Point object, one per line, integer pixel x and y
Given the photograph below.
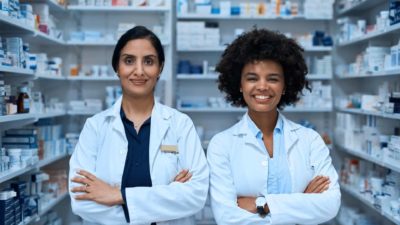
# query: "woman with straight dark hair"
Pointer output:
{"type": "Point", "coordinates": [138, 162]}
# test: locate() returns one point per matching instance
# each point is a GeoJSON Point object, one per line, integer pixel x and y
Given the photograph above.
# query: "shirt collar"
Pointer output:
{"type": "Point", "coordinates": [124, 118]}
{"type": "Point", "coordinates": [257, 132]}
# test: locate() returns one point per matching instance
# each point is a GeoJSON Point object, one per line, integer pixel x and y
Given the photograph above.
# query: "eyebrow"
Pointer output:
{"type": "Point", "coordinates": [129, 55]}
{"type": "Point", "coordinates": [270, 75]}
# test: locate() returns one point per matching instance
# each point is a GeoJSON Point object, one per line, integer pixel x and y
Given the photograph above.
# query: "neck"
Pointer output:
{"type": "Point", "coordinates": [266, 122]}
{"type": "Point", "coordinates": [137, 107]}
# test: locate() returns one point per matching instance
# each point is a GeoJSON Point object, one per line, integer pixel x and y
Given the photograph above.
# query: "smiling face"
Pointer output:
{"type": "Point", "coordinates": [262, 85]}
{"type": "Point", "coordinates": [139, 68]}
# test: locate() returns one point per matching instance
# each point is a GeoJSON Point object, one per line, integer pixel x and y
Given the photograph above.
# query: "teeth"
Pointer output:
{"type": "Point", "coordinates": [262, 97]}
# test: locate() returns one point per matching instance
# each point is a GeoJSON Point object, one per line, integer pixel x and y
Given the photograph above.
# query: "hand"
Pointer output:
{"type": "Point", "coordinates": [247, 203]}
{"type": "Point", "coordinates": [96, 190]}
{"type": "Point", "coordinates": [318, 185]}
{"type": "Point", "coordinates": [183, 176]}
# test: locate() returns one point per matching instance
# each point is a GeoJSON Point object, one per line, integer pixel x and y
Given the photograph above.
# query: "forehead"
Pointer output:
{"type": "Point", "coordinates": [263, 66]}
{"type": "Point", "coordinates": [139, 47]}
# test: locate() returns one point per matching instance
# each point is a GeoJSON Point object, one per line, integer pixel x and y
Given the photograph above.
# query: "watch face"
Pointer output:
{"type": "Point", "coordinates": [260, 201]}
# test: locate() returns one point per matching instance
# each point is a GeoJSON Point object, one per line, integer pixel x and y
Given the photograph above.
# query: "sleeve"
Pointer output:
{"type": "Point", "coordinates": [176, 200]}
{"type": "Point", "coordinates": [84, 157]}
{"type": "Point", "coordinates": [222, 190]}
{"type": "Point", "coordinates": [300, 208]}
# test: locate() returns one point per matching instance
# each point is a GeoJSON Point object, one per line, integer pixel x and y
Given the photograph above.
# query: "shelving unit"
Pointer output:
{"type": "Point", "coordinates": [222, 48]}
{"type": "Point", "coordinates": [366, 83]}
{"type": "Point", "coordinates": [362, 199]}
{"type": "Point", "coordinates": [42, 163]}
{"type": "Point", "coordinates": [194, 16]}
{"type": "Point", "coordinates": [142, 9]}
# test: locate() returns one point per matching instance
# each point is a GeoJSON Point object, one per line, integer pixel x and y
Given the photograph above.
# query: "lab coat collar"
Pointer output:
{"type": "Point", "coordinates": [289, 131]}
{"type": "Point", "coordinates": [159, 125]}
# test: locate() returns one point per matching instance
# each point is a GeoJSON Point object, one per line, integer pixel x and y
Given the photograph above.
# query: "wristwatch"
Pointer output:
{"type": "Point", "coordinates": [260, 203]}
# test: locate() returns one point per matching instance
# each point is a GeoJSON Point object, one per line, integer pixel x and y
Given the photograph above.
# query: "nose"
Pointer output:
{"type": "Point", "coordinates": [262, 85]}
{"type": "Point", "coordinates": [139, 68]}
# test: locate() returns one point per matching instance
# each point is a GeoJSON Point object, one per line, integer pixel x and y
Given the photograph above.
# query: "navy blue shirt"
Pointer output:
{"type": "Point", "coordinates": [137, 166]}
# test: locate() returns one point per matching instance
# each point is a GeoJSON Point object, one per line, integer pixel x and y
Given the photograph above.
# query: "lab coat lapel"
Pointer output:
{"type": "Point", "coordinates": [158, 129]}
{"type": "Point", "coordinates": [244, 130]}
{"type": "Point", "coordinates": [290, 135]}
{"type": "Point", "coordinates": [117, 122]}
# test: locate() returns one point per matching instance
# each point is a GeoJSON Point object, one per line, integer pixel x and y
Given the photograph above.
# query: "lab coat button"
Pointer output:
{"type": "Point", "coordinates": [264, 163]}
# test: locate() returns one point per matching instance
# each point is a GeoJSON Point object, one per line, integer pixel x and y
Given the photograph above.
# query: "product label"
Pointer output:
{"type": "Point", "coordinates": [26, 104]}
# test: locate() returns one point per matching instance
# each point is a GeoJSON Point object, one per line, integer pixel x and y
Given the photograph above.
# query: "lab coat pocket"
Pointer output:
{"type": "Point", "coordinates": [170, 166]}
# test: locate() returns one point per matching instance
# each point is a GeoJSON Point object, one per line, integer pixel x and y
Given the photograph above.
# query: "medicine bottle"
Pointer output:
{"type": "Point", "coordinates": [23, 100]}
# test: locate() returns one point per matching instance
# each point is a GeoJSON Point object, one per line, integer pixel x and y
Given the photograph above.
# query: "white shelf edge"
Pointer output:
{"type": "Point", "coordinates": [16, 22]}
{"type": "Point", "coordinates": [107, 43]}
{"type": "Point", "coordinates": [49, 38]}
{"type": "Point", "coordinates": [354, 7]}
{"type": "Point", "coordinates": [53, 203]}
{"type": "Point", "coordinates": [118, 8]}
{"type": "Point", "coordinates": [81, 113]}
{"type": "Point", "coordinates": [49, 77]}
{"type": "Point", "coordinates": [50, 115]}
{"type": "Point", "coordinates": [369, 36]}
{"type": "Point", "coordinates": [230, 17]}
{"type": "Point", "coordinates": [319, 76]}
{"type": "Point", "coordinates": [196, 76]}
{"type": "Point", "coordinates": [77, 78]}
{"type": "Point", "coordinates": [16, 70]}
{"type": "Point", "coordinates": [376, 74]}
{"type": "Point", "coordinates": [17, 117]}
{"type": "Point", "coordinates": [5, 176]}
{"type": "Point", "coordinates": [368, 158]}
{"type": "Point", "coordinates": [361, 198]}
{"type": "Point", "coordinates": [370, 113]}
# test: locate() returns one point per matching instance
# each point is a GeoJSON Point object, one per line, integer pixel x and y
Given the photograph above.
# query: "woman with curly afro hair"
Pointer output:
{"type": "Point", "coordinates": [267, 169]}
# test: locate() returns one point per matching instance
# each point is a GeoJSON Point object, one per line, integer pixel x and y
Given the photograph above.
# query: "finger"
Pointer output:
{"type": "Point", "coordinates": [311, 184]}
{"type": "Point", "coordinates": [83, 197]}
{"type": "Point", "coordinates": [181, 175]}
{"type": "Point", "coordinates": [79, 189]}
{"type": "Point", "coordinates": [186, 178]}
{"type": "Point", "coordinates": [315, 184]}
{"type": "Point", "coordinates": [87, 174]}
{"type": "Point", "coordinates": [81, 180]}
{"type": "Point", "coordinates": [322, 187]}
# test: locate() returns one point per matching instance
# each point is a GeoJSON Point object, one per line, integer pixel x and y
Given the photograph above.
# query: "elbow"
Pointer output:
{"type": "Point", "coordinates": [334, 205]}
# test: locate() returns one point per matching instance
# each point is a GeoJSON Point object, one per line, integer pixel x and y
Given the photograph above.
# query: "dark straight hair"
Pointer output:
{"type": "Point", "coordinates": [138, 32]}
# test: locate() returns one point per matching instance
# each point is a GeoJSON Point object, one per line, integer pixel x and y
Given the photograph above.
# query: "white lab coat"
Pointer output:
{"type": "Point", "coordinates": [238, 167]}
{"type": "Point", "coordinates": [102, 150]}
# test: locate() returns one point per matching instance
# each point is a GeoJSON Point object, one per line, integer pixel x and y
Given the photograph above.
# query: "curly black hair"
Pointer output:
{"type": "Point", "coordinates": [262, 44]}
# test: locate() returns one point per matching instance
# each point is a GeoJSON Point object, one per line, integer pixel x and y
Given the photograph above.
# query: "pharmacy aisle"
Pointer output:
{"type": "Point", "coordinates": [55, 72]}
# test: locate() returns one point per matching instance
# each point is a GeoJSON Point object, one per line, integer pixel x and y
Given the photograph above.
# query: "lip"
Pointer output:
{"type": "Point", "coordinates": [263, 101]}
{"type": "Point", "coordinates": [138, 81]}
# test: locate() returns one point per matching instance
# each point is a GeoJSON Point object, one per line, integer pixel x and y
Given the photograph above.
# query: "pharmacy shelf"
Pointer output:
{"type": "Point", "coordinates": [19, 26]}
{"type": "Point", "coordinates": [215, 77]}
{"type": "Point", "coordinates": [107, 43]}
{"type": "Point", "coordinates": [16, 70]}
{"type": "Point", "coordinates": [369, 158]}
{"type": "Point", "coordinates": [359, 6]}
{"type": "Point", "coordinates": [81, 78]}
{"type": "Point", "coordinates": [392, 30]}
{"type": "Point", "coordinates": [118, 8]}
{"type": "Point", "coordinates": [5, 176]}
{"type": "Point", "coordinates": [50, 115]}
{"type": "Point", "coordinates": [376, 74]}
{"type": "Point", "coordinates": [222, 48]}
{"type": "Point", "coordinates": [17, 117]}
{"type": "Point", "coordinates": [53, 5]}
{"type": "Point", "coordinates": [211, 110]}
{"type": "Point", "coordinates": [195, 16]}
{"type": "Point", "coordinates": [371, 113]}
{"type": "Point", "coordinates": [52, 203]}
{"type": "Point", "coordinates": [81, 113]}
{"type": "Point", "coordinates": [196, 76]}
{"type": "Point", "coordinates": [49, 76]}
{"type": "Point", "coordinates": [362, 199]}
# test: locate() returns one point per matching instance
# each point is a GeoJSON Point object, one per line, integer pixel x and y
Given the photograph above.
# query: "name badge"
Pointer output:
{"type": "Point", "coordinates": [169, 149]}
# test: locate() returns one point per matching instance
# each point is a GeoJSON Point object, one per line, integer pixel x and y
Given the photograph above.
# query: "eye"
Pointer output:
{"type": "Point", "coordinates": [251, 78]}
{"type": "Point", "coordinates": [148, 61]}
{"type": "Point", "coordinates": [128, 60]}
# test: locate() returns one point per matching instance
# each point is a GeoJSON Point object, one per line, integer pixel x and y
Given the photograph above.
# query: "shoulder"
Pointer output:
{"type": "Point", "coordinates": [177, 118]}
{"type": "Point", "coordinates": [225, 137]}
